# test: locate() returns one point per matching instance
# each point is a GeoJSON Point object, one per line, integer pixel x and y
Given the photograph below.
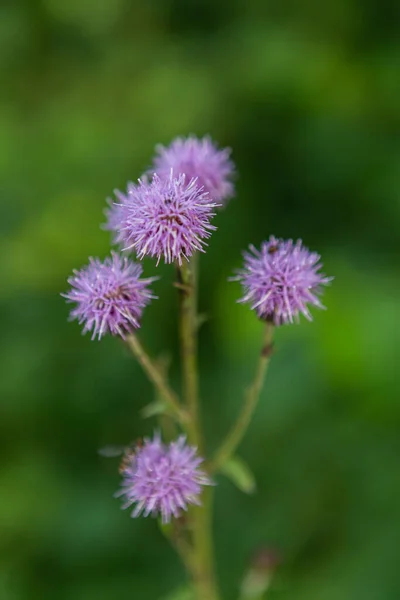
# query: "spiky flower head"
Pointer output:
{"type": "Point", "coordinates": [165, 218]}
{"type": "Point", "coordinates": [162, 479]}
{"type": "Point", "coordinates": [281, 279]}
{"type": "Point", "coordinates": [109, 296]}
{"type": "Point", "coordinates": [114, 215]}
{"type": "Point", "coordinates": [199, 158]}
{"type": "Point", "coordinates": [115, 211]}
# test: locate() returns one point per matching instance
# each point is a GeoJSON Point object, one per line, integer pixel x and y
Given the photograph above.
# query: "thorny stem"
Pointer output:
{"type": "Point", "coordinates": [252, 395]}
{"type": "Point", "coordinates": [156, 376]}
{"type": "Point", "coordinates": [200, 516]}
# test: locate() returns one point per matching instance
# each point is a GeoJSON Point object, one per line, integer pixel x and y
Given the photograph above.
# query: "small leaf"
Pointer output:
{"type": "Point", "coordinates": [255, 585]}
{"type": "Point", "coordinates": [201, 319]}
{"type": "Point", "coordinates": [240, 474]}
{"type": "Point", "coordinates": [166, 528]}
{"type": "Point", "coordinates": [182, 593]}
{"type": "Point", "coordinates": [259, 576]}
{"type": "Point", "coordinates": [111, 451]}
{"type": "Point", "coordinates": [154, 408]}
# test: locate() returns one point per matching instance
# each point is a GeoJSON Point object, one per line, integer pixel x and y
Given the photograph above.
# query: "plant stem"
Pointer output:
{"type": "Point", "coordinates": [252, 395]}
{"type": "Point", "coordinates": [187, 286]}
{"type": "Point", "coordinates": [203, 564]}
{"type": "Point", "coordinates": [200, 516]}
{"type": "Point", "coordinates": [182, 546]}
{"type": "Point", "coordinates": [167, 423]}
{"type": "Point", "coordinates": [156, 376]}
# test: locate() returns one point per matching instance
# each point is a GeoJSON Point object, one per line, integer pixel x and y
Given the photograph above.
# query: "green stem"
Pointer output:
{"type": "Point", "coordinates": [187, 286]}
{"type": "Point", "coordinates": [166, 422]}
{"type": "Point", "coordinates": [203, 553]}
{"type": "Point", "coordinates": [182, 546]}
{"type": "Point", "coordinates": [200, 516]}
{"type": "Point", "coordinates": [252, 395]}
{"type": "Point", "coordinates": [156, 376]}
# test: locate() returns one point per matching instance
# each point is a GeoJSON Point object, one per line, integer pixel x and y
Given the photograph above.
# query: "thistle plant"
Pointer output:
{"type": "Point", "coordinates": [167, 215]}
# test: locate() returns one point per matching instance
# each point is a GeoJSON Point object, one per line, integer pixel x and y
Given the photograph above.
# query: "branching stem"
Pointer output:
{"type": "Point", "coordinates": [252, 395]}
{"type": "Point", "coordinates": [158, 379]}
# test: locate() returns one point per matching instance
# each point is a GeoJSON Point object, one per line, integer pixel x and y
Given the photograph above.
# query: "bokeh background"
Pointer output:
{"type": "Point", "coordinates": [307, 96]}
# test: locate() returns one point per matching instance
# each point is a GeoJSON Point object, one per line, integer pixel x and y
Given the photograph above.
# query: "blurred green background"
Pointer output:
{"type": "Point", "coordinates": [307, 96]}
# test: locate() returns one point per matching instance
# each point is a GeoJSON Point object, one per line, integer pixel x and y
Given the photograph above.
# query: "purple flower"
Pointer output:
{"type": "Point", "coordinates": [115, 211]}
{"type": "Point", "coordinates": [109, 296]}
{"type": "Point", "coordinates": [164, 218]}
{"type": "Point", "coordinates": [281, 279]}
{"type": "Point", "coordinates": [115, 214]}
{"type": "Point", "coordinates": [163, 479]}
{"type": "Point", "coordinates": [198, 158]}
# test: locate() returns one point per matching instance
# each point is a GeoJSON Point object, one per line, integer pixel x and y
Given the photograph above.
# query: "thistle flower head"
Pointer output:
{"type": "Point", "coordinates": [167, 218]}
{"type": "Point", "coordinates": [115, 211]}
{"type": "Point", "coordinates": [109, 296]}
{"type": "Point", "coordinates": [198, 158]}
{"type": "Point", "coordinates": [114, 214]}
{"type": "Point", "coordinates": [281, 279]}
{"type": "Point", "coordinates": [163, 479]}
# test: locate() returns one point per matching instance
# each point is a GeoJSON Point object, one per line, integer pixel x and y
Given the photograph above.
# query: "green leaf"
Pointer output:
{"type": "Point", "coordinates": [201, 319]}
{"type": "Point", "coordinates": [254, 586]}
{"type": "Point", "coordinates": [154, 408]}
{"type": "Point", "coordinates": [182, 593]}
{"type": "Point", "coordinates": [240, 474]}
{"type": "Point", "coordinates": [165, 528]}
